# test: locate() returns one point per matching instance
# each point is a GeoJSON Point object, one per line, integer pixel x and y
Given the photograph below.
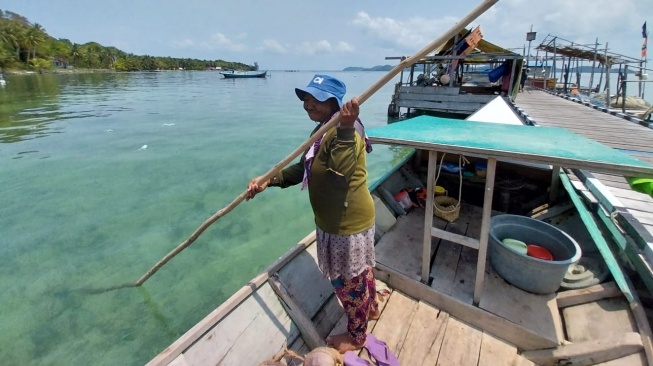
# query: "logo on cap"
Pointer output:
{"type": "Point", "coordinates": [318, 80]}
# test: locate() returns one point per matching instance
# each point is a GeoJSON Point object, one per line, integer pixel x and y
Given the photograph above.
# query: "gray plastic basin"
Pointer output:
{"type": "Point", "coordinates": [525, 272]}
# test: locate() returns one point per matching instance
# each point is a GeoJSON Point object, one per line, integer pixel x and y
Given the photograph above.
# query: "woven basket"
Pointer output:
{"type": "Point", "coordinates": [446, 208]}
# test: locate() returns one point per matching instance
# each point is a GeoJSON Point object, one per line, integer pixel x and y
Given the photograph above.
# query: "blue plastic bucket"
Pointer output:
{"type": "Point", "coordinates": [528, 273]}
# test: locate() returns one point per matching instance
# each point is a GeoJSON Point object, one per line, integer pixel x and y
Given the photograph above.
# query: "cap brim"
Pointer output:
{"type": "Point", "coordinates": [318, 94]}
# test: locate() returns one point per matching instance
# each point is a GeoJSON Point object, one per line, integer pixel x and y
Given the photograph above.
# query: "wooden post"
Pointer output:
{"type": "Point", "coordinates": [555, 55]}
{"type": "Point", "coordinates": [624, 83]}
{"type": "Point", "coordinates": [596, 45]}
{"type": "Point", "coordinates": [512, 78]}
{"type": "Point", "coordinates": [428, 216]}
{"type": "Point", "coordinates": [485, 228]}
{"type": "Point", "coordinates": [607, 77]}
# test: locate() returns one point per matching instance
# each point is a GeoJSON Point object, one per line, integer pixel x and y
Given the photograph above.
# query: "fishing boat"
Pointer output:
{"type": "Point", "coordinates": [244, 74]}
{"type": "Point", "coordinates": [446, 297]}
{"type": "Point", "coordinates": [457, 79]}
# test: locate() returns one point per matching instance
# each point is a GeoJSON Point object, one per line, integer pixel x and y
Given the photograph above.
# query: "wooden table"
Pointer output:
{"type": "Point", "coordinates": [498, 142]}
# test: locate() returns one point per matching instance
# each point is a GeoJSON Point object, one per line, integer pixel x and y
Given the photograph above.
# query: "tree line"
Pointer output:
{"type": "Point", "coordinates": [27, 46]}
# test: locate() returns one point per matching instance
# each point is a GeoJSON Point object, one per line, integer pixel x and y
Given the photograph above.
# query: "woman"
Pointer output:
{"type": "Point", "coordinates": [334, 171]}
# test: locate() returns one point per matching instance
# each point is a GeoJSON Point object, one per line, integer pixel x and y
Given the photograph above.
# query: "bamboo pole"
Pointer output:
{"type": "Point", "coordinates": [455, 29]}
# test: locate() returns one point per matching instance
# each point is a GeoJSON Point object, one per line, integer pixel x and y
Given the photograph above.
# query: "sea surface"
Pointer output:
{"type": "Point", "coordinates": [103, 174]}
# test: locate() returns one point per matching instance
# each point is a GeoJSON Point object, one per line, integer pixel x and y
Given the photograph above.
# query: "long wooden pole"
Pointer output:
{"type": "Point", "coordinates": [480, 9]}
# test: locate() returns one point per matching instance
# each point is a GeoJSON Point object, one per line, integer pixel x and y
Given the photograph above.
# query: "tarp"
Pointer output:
{"type": "Point", "coordinates": [483, 45]}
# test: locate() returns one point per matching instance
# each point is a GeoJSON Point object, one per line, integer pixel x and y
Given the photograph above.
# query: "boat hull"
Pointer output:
{"type": "Point", "coordinates": [247, 75]}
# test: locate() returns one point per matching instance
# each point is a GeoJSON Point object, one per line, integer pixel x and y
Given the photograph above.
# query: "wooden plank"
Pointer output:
{"type": "Point", "coordinates": [197, 331]}
{"type": "Point", "coordinates": [521, 337]}
{"type": "Point", "coordinates": [445, 263]}
{"type": "Point", "coordinates": [431, 97]}
{"type": "Point", "coordinates": [456, 238]}
{"type": "Point", "coordinates": [311, 289]}
{"type": "Point", "coordinates": [599, 319]}
{"type": "Point", "coordinates": [455, 106]}
{"type": "Point", "coordinates": [589, 294]}
{"type": "Point", "coordinates": [461, 345]}
{"type": "Point", "coordinates": [463, 283]}
{"type": "Point", "coordinates": [531, 311]}
{"type": "Point", "coordinates": [463, 286]}
{"type": "Point", "coordinates": [636, 359]}
{"type": "Point", "coordinates": [549, 110]}
{"type": "Point", "coordinates": [425, 336]}
{"type": "Point", "coordinates": [401, 248]}
{"type": "Point", "coordinates": [497, 352]}
{"type": "Point", "coordinates": [395, 321]}
{"type": "Point", "coordinates": [251, 334]}
{"type": "Point", "coordinates": [589, 352]}
{"type": "Point", "coordinates": [430, 90]}
{"type": "Point", "coordinates": [179, 361]}
{"type": "Point", "coordinates": [328, 316]}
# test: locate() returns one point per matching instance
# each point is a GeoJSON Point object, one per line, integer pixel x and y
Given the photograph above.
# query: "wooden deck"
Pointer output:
{"type": "Point", "coordinates": [423, 324]}
{"type": "Point", "coordinates": [549, 110]}
{"type": "Point", "coordinates": [421, 334]}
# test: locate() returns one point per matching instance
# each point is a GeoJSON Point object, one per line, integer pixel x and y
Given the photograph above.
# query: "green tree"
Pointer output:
{"type": "Point", "coordinates": [25, 45]}
{"type": "Point", "coordinates": [40, 64]}
{"type": "Point", "coordinates": [34, 38]}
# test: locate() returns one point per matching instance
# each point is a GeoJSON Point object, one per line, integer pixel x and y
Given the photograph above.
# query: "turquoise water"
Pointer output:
{"type": "Point", "coordinates": [104, 174]}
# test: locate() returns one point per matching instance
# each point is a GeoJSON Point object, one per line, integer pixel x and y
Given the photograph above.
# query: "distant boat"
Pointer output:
{"type": "Point", "coordinates": [244, 74]}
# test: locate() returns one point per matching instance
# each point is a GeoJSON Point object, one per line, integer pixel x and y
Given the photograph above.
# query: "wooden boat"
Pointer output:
{"type": "Point", "coordinates": [447, 305]}
{"type": "Point", "coordinates": [244, 74]}
{"type": "Point", "coordinates": [432, 86]}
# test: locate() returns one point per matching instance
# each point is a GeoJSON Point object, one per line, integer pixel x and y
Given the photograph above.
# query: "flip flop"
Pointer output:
{"type": "Point", "coordinates": [380, 352]}
{"type": "Point", "coordinates": [352, 359]}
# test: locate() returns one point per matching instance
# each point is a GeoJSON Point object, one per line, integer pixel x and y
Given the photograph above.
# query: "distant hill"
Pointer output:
{"type": "Point", "coordinates": [375, 68]}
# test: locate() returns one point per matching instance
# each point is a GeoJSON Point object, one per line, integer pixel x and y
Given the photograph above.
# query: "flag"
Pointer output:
{"type": "Point", "coordinates": [645, 35]}
{"type": "Point", "coordinates": [644, 32]}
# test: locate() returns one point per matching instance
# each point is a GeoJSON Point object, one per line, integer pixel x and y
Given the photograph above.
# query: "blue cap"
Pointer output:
{"type": "Point", "coordinates": [323, 87]}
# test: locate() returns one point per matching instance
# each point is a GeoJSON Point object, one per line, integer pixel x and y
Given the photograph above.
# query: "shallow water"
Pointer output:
{"type": "Point", "coordinates": [104, 174]}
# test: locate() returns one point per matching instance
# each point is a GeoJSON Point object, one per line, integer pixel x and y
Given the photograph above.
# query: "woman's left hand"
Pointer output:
{"type": "Point", "coordinates": [349, 113]}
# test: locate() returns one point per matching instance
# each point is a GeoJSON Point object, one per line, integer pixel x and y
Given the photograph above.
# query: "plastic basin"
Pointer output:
{"type": "Point", "coordinates": [525, 272]}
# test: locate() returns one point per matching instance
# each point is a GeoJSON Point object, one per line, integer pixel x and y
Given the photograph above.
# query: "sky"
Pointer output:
{"type": "Point", "coordinates": [327, 35]}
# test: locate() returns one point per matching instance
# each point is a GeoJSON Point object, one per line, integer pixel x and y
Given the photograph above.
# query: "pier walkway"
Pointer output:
{"type": "Point", "coordinates": [613, 192]}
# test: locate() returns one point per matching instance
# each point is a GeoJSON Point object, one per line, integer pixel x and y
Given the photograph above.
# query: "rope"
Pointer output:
{"type": "Point", "coordinates": [276, 360]}
{"type": "Point", "coordinates": [460, 175]}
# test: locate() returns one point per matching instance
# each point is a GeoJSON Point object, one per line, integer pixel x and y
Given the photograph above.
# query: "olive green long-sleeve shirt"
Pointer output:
{"type": "Point", "coordinates": [342, 203]}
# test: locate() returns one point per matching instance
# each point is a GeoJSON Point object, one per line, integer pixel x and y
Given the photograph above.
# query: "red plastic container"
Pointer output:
{"type": "Point", "coordinates": [538, 252]}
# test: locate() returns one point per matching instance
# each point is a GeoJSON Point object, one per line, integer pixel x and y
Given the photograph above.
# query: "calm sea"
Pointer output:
{"type": "Point", "coordinates": [104, 174]}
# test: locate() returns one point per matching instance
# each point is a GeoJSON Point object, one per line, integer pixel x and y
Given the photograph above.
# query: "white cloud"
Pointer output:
{"type": "Point", "coordinates": [184, 43]}
{"type": "Point", "coordinates": [581, 21]}
{"type": "Point", "coordinates": [313, 48]}
{"type": "Point", "coordinates": [219, 41]}
{"type": "Point", "coordinates": [401, 35]}
{"type": "Point", "coordinates": [324, 47]}
{"type": "Point", "coordinates": [272, 45]}
{"type": "Point", "coordinates": [344, 47]}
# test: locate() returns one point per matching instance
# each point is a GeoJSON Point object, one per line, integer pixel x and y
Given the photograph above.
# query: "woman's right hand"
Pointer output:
{"type": "Point", "coordinates": [253, 188]}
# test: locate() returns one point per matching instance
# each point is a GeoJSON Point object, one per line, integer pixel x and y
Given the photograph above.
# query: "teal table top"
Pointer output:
{"type": "Point", "coordinates": [547, 145]}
